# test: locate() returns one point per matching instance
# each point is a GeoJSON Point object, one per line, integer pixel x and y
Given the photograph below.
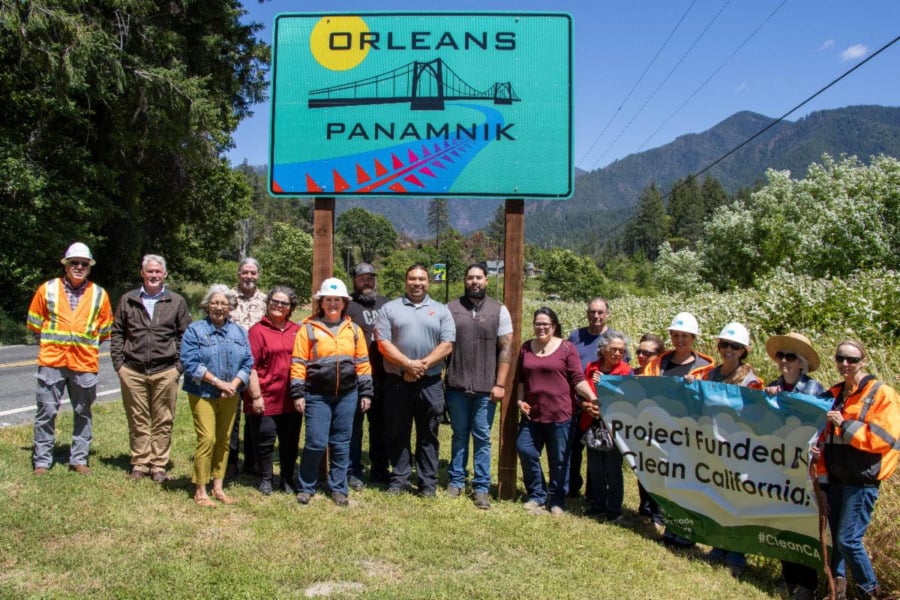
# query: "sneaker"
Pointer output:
{"type": "Point", "coordinates": [557, 511]}
{"type": "Point", "coordinates": [482, 500]}
{"type": "Point", "coordinates": [396, 491]}
{"type": "Point", "coordinates": [356, 484]}
{"type": "Point", "coordinates": [453, 491]}
{"type": "Point", "coordinates": [265, 487]}
{"type": "Point", "coordinates": [340, 499]}
{"type": "Point", "coordinates": [304, 498]}
{"type": "Point", "coordinates": [532, 506]}
{"type": "Point", "coordinates": [428, 493]}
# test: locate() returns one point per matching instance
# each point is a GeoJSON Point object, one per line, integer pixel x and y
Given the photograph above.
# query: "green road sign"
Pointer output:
{"type": "Point", "coordinates": [422, 104]}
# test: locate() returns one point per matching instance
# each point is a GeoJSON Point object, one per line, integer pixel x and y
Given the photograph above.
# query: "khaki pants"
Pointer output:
{"type": "Point", "coordinates": [213, 419]}
{"type": "Point", "coordinates": [150, 408]}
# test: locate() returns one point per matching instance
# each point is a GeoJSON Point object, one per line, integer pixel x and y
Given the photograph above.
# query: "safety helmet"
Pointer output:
{"type": "Point", "coordinates": [686, 322]}
{"type": "Point", "coordinates": [78, 250]}
{"type": "Point", "coordinates": [332, 287]}
{"type": "Point", "coordinates": [735, 332]}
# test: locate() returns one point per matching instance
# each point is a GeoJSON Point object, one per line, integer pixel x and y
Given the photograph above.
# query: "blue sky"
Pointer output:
{"type": "Point", "coordinates": [764, 56]}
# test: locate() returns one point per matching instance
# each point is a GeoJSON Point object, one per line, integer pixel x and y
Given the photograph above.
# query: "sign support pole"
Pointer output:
{"type": "Point", "coordinates": [513, 287]}
{"type": "Point", "coordinates": [322, 268]}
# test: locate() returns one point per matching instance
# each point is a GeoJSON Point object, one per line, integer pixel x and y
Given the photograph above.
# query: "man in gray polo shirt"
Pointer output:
{"type": "Point", "coordinates": [415, 333]}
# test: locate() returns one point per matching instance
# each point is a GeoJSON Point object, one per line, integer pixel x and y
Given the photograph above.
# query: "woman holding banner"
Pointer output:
{"type": "Point", "coordinates": [857, 450]}
{"type": "Point", "coordinates": [605, 465]}
{"type": "Point", "coordinates": [681, 361]}
{"type": "Point", "coordinates": [733, 346]}
{"type": "Point", "coordinates": [548, 375]}
{"type": "Point", "coordinates": [795, 357]}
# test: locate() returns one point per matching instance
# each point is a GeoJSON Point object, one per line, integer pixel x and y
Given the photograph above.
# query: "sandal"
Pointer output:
{"type": "Point", "coordinates": [205, 502]}
{"type": "Point", "coordinates": [221, 497]}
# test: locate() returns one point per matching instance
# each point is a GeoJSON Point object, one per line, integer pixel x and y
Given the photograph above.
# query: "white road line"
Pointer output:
{"type": "Point", "coordinates": [22, 409]}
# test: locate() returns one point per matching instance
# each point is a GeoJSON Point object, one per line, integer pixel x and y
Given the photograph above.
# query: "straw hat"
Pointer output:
{"type": "Point", "coordinates": [796, 343]}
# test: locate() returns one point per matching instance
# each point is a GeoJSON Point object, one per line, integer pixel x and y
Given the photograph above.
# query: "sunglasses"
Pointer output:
{"type": "Point", "coordinates": [279, 303]}
{"type": "Point", "coordinates": [852, 360]}
{"type": "Point", "coordinates": [640, 352]}
{"type": "Point", "coordinates": [79, 263]}
{"type": "Point", "coordinates": [788, 356]}
{"type": "Point", "coordinates": [733, 345]}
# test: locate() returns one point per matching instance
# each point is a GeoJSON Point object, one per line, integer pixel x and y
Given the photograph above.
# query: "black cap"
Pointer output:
{"type": "Point", "coordinates": [364, 269]}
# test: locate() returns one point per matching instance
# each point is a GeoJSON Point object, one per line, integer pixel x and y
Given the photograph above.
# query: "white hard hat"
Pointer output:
{"type": "Point", "coordinates": [686, 322]}
{"type": "Point", "coordinates": [78, 250]}
{"type": "Point", "coordinates": [332, 287]}
{"type": "Point", "coordinates": [735, 332]}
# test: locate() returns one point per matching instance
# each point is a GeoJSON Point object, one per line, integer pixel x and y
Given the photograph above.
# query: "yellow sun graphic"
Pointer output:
{"type": "Point", "coordinates": [334, 42]}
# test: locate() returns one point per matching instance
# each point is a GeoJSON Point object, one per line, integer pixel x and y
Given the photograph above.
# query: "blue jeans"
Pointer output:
{"type": "Point", "coordinates": [530, 443]}
{"type": "Point", "coordinates": [849, 512]}
{"type": "Point", "coordinates": [470, 414]}
{"type": "Point", "coordinates": [607, 482]}
{"type": "Point", "coordinates": [329, 421]}
{"type": "Point", "coordinates": [82, 388]}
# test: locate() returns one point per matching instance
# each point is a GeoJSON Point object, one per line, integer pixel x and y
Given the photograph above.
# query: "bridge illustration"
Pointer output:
{"type": "Point", "coordinates": [425, 85]}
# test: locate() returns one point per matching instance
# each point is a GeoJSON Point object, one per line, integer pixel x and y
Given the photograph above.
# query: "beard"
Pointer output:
{"type": "Point", "coordinates": [476, 294]}
{"type": "Point", "coordinates": [367, 296]}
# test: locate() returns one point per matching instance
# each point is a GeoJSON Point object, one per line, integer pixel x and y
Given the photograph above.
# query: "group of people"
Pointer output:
{"type": "Point", "coordinates": [399, 363]}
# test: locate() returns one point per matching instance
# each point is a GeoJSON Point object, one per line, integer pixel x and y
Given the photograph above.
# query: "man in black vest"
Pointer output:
{"type": "Point", "coordinates": [475, 380]}
{"type": "Point", "coordinates": [363, 310]}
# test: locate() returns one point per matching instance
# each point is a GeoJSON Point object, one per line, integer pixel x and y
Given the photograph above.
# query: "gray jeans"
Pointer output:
{"type": "Point", "coordinates": [82, 388]}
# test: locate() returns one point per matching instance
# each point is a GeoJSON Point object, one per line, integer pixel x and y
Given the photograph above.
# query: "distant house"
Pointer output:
{"type": "Point", "coordinates": [494, 267]}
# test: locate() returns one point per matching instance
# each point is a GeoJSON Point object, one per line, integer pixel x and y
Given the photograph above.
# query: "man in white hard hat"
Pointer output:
{"type": "Point", "coordinates": [250, 310]}
{"type": "Point", "coordinates": [70, 316]}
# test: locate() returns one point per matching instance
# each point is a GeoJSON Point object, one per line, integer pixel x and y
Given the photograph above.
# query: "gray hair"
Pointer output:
{"type": "Point", "coordinates": [607, 338]}
{"type": "Point", "coordinates": [804, 364]}
{"type": "Point", "coordinates": [249, 261]}
{"type": "Point", "coordinates": [218, 288]}
{"type": "Point", "coordinates": [153, 258]}
{"type": "Point", "coordinates": [283, 289]}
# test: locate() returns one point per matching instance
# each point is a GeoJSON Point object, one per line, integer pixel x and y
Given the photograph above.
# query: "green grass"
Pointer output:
{"type": "Point", "coordinates": [104, 536]}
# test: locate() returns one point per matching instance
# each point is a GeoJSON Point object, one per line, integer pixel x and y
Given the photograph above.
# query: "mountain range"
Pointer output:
{"type": "Point", "coordinates": [605, 198]}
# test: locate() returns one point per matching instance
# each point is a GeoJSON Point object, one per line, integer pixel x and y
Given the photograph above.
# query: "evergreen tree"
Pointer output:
{"type": "Point", "coordinates": [686, 212]}
{"type": "Point", "coordinates": [438, 219]}
{"type": "Point", "coordinates": [648, 228]}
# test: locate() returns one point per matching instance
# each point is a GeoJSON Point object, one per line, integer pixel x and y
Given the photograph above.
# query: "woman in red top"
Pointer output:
{"type": "Point", "coordinates": [605, 466]}
{"type": "Point", "coordinates": [549, 371]}
{"type": "Point", "coordinates": [267, 402]}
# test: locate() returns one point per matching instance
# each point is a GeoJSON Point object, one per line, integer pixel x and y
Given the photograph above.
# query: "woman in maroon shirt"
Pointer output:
{"type": "Point", "coordinates": [267, 403]}
{"type": "Point", "coordinates": [549, 370]}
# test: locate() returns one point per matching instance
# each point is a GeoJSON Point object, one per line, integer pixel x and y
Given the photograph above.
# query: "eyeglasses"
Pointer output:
{"type": "Point", "coordinates": [543, 325]}
{"type": "Point", "coordinates": [788, 356]}
{"type": "Point", "coordinates": [733, 345]}
{"type": "Point", "coordinates": [79, 263]}
{"type": "Point", "coordinates": [640, 352]}
{"type": "Point", "coordinates": [279, 303]}
{"type": "Point", "coordinates": [220, 304]}
{"type": "Point", "coordinates": [847, 359]}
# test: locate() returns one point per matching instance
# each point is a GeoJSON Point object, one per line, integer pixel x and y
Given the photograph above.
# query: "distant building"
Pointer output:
{"type": "Point", "coordinates": [494, 267]}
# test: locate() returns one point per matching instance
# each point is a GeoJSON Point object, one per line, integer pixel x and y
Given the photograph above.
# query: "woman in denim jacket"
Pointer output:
{"type": "Point", "coordinates": [217, 364]}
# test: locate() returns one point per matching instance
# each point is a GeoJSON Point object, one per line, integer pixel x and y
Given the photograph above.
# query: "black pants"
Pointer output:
{"type": "Point", "coordinates": [263, 432]}
{"type": "Point", "coordinates": [378, 455]}
{"type": "Point", "coordinates": [421, 402]}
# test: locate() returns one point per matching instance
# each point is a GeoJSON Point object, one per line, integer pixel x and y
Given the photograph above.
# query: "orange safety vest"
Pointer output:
{"type": "Point", "coordinates": [68, 339]}
{"type": "Point", "coordinates": [653, 368]}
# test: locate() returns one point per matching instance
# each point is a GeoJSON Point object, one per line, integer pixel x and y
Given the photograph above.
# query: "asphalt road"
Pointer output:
{"type": "Point", "coordinates": [18, 364]}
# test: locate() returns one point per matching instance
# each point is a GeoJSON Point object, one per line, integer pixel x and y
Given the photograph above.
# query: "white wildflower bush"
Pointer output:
{"type": "Point", "coordinates": [842, 217]}
{"type": "Point", "coordinates": [678, 271]}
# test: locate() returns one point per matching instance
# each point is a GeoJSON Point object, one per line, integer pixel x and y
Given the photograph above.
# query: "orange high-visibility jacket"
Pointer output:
{"type": "Point", "coordinates": [325, 363]}
{"type": "Point", "coordinates": [70, 339]}
{"type": "Point", "coordinates": [865, 448]}
{"type": "Point", "coordinates": [652, 369]}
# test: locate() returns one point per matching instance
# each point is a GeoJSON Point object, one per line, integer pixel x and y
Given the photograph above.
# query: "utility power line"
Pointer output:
{"type": "Point", "coordinates": [636, 83]}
